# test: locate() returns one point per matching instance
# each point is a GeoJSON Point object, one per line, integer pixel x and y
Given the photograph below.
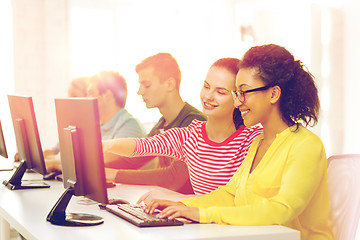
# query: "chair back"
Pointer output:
{"type": "Point", "coordinates": [344, 195]}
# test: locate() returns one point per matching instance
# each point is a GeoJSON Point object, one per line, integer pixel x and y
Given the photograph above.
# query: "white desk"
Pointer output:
{"type": "Point", "coordinates": [26, 211]}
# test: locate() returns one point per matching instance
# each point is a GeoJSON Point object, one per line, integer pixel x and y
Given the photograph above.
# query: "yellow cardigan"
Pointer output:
{"type": "Point", "coordinates": [288, 187]}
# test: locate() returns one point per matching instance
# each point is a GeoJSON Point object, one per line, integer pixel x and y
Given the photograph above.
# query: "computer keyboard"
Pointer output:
{"type": "Point", "coordinates": [135, 214]}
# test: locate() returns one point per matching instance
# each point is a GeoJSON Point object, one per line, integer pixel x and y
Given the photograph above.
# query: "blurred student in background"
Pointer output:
{"type": "Point", "coordinates": [283, 179]}
{"type": "Point", "coordinates": [78, 88]}
{"type": "Point", "coordinates": [110, 89]}
{"type": "Point", "coordinates": [213, 150]}
{"type": "Point", "coordinates": [159, 79]}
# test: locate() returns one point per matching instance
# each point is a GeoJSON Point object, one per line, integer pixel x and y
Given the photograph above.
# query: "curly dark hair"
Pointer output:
{"type": "Point", "coordinates": [232, 65]}
{"type": "Point", "coordinates": [276, 66]}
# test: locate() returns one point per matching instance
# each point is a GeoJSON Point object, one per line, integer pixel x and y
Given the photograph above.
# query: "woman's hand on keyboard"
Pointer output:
{"type": "Point", "coordinates": [173, 210]}
{"type": "Point", "coordinates": [160, 204]}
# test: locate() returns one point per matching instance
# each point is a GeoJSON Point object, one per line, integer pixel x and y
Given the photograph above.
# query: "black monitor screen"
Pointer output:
{"type": "Point", "coordinates": [81, 156]}
{"type": "Point", "coordinates": [5, 164]}
{"type": "Point", "coordinates": [27, 141]}
{"type": "Point", "coordinates": [3, 151]}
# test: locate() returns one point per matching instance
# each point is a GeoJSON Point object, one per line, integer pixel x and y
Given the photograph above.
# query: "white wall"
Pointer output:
{"type": "Point", "coordinates": [351, 108]}
{"type": "Point", "coordinates": [41, 58]}
{"type": "Point", "coordinates": [6, 74]}
{"type": "Point", "coordinates": [44, 34]}
{"type": "Point", "coordinates": [43, 61]}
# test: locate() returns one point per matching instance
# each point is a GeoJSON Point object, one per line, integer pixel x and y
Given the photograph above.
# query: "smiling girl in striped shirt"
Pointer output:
{"type": "Point", "coordinates": [213, 150]}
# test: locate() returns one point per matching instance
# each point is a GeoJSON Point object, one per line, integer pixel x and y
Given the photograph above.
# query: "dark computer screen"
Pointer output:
{"type": "Point", "coordinates": [27, 141]}
{"type": "Point", "coordinates": [3, 151]}
{"type": "Point", "coordinates": [5, 164]}
{"type": "Point", "coordinates": [81, 156]}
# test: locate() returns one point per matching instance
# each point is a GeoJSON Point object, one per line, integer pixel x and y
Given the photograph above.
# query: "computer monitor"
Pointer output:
{"type": "Point", "coordinates": [5, 164]}
{"type": "Point", "coordinates": [81, 157]}
{"type": "Point", "coordinates": [3, 151]}
{"type": "Point", "coordinates": [27, 141]}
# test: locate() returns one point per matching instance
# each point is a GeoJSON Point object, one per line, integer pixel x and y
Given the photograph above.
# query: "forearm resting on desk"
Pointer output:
{"type": "Point", "coordinates": [52, 160]}
{"type": "Point", "coordinates": [174, 177]}
{"type": "Point", "coordinates": [120, 146]}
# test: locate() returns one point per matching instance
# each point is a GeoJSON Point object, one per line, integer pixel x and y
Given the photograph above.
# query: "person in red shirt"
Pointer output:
{"type": "Point", "coordinates": [213, 150]}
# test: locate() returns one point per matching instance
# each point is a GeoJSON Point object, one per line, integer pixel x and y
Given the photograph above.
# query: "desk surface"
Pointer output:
{"type": "Point", "coordinates": [26, 211]}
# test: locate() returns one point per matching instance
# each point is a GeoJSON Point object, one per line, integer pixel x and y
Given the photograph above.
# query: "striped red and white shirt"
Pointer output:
{"type": "Point", "coordinates": [210, 164]}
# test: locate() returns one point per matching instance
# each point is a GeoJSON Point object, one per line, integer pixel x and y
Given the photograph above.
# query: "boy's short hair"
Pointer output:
{"type": "Point", "coordinates": [165, 66]}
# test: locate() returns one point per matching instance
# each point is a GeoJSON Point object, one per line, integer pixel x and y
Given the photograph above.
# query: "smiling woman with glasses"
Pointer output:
{"type": "Point", "coordinates": [283, 179]}
{"type": "Point", "coordinates": [240, 95]}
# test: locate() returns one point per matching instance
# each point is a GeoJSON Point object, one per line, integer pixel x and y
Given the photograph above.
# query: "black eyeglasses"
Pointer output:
{"type": "Point", "coordinates": [240, 95]}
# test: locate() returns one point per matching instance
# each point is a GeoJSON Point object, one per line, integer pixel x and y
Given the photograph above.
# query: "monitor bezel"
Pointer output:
{"type": "Point", "coordinates": [83, 114]}
{"type": "Point", "coordinates": [28, 143]}
{"type": "Point", "coordinates": [3, 150]}
{"type": "Point", "coordinates": [22, 107]}
{"type": "Point", "coordinates": [81, 155]}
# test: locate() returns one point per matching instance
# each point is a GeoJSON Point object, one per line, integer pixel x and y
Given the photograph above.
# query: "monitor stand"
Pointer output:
{"type": "Point", "coordinates": [58, 216]}
{"type": "Point", "coordinates": [15, 182]}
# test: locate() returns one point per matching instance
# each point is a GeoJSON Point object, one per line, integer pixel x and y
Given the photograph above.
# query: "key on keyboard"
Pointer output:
{"type": "Point", "coordinates": [137, 216]}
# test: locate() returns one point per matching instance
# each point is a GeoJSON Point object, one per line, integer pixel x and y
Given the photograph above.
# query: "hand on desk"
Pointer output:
{"type": "Point", "coordinates": [110, 174]}
{"type": "Point", "coordinates": [16, 157]}
{"type": "Point", "coordinates": [173, 210]}
{"type": "Point", "coordinates": [52, 160]}
{"type": "Point", "coordinates": [52, 163]}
